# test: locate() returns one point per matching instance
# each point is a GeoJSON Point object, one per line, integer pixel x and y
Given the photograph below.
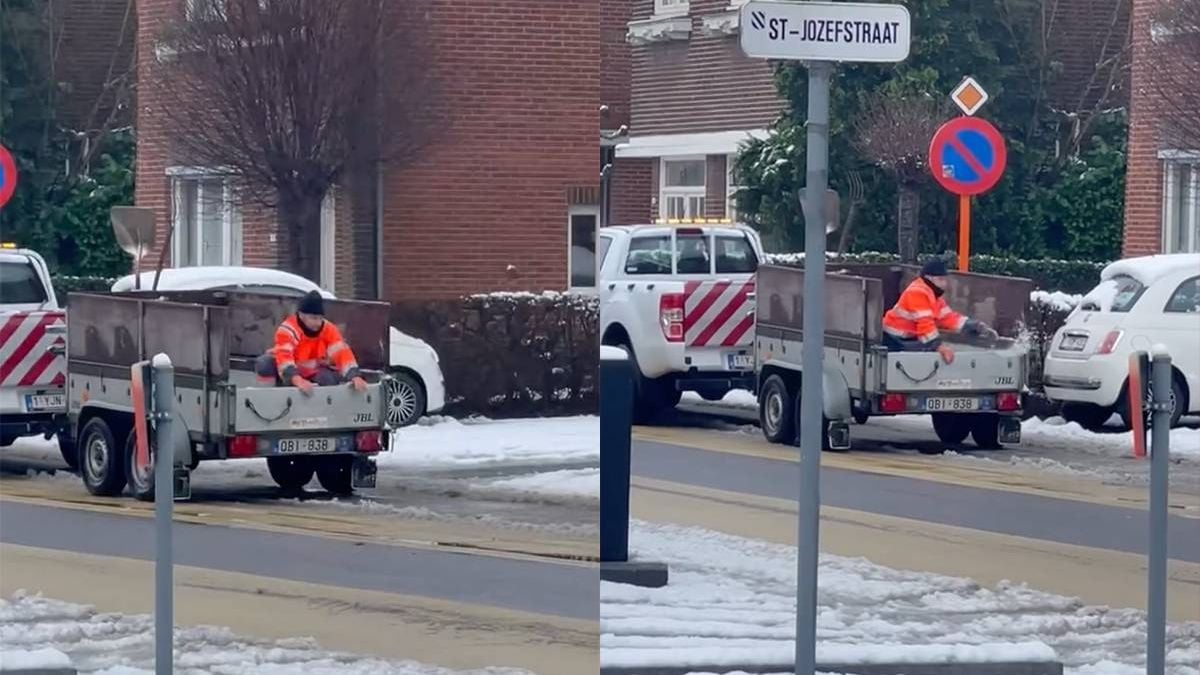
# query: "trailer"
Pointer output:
{"type": "Point", "coordinates": [979, 394]}
{"type": "Point", "coordinates": [213, 339]}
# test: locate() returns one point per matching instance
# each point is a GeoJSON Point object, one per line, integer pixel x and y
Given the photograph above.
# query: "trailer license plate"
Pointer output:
{"type": "Point", "coordinates": [739, 361]}
{"type": "Point", "coordinates": [952, 404]}
{"type": "Point", "coordinates": [288, 446]}
{"type": "Point", "coordinates": [45, 401]}
{"type": "Point", "coordinates": [1073, 343]}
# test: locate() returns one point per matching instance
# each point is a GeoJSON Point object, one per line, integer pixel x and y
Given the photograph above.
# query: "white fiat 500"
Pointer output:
{"type": "Point", "coordinates": [1139, 303]}
{"type": "Point", "coordinates": [417, 387]}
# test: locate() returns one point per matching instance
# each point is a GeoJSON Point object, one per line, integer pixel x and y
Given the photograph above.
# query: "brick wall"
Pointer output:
{"type": "Point", "coordinates": [95, 43]}
{"type": "Point", "coordinates": [152, 188]}
{"type": "Point", "coordinates": [615, 61]}
{"type": "Point", "coordinates": [632, 191]}
{"type": "Point", "coordinates": [1143, 178]}
{"type": "Point", "coordinates": [715, 181]}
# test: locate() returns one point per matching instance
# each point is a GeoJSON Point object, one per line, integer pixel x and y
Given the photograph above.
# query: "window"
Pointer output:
{"type": "Point", "coordinates": [207, 226]}
{"type": "Point", "coordinates": [602, 252]}
{"type": "Point", "coordinates": [20, 284]}
{"type": "Point", "coordinates": [649, 255]}
{"type": "Point", "coordinates": [1181, 207]}
{"type": "Point", "coordinates": [682, 190]}
{"type": "Point", "coordinates": [731, 186]}
{"type": "Point", "coordinates": [735, 255]}
{"type": "Point", "coordinates": [1118, 294]}
{"type": "Point", "coordinates": [582, 224]}
{"type": "Point", "coordinates": [1186, 298]}
{"type": "Point", "coordinates": [692, 253]}
{"type": "Point", "coordinates": [670, 7]}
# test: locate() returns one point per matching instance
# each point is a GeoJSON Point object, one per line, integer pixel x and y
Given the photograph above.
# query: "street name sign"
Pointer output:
{"type": "Point", "coordinates": [825, 31]}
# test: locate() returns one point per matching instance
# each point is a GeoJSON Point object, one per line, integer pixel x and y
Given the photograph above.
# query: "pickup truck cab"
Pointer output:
{"type": "Point", "coordinates": [31, 375]}
{"type": "Point", "coordinates": [679, 297]}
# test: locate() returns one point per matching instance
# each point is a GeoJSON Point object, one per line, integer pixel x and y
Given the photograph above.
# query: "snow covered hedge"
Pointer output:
{"type": "Point", "coordinates": [64, 284]}
{"type": "Point", "coordinates": [1068, 276]}
{"type": "Point", "coordinates": [511, 354]}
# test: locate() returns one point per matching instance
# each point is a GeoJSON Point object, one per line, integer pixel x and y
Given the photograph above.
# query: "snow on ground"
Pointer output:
{"type": "Point", "coordinates": [563, 483]}
{"type": "Point", "coordinates": [736, 398]}
{"type": "Point", "coordinates": [731, 601]}
{"type": "Point", "coordinates": [37, 631]}
{"type": "Point", "coordinates": [445, 442]}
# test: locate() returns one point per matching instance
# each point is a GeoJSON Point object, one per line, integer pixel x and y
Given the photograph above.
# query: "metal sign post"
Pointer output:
{"type": "Point", "coordinates": [967, 157]}
{"type": "Point", "coordinates": [1160, 448]}
{"type": "Point", "coordinates": [818, 32]}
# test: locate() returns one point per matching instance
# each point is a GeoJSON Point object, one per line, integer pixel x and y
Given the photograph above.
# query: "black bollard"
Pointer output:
{"type": "Point", "coordinates": [616, 429]}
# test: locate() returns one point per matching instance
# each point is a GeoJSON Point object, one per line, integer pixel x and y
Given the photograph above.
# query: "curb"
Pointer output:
{"type": "Point", "coordinates": [997, 668]}
{"type": "Point", "coordinates": [38, 671]}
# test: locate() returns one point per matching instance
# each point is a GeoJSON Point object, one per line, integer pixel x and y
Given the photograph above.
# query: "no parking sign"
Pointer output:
{"type": "Point", "coordinates": [967, 156]}
{"type": "Point", "coordinates": [8, 176]}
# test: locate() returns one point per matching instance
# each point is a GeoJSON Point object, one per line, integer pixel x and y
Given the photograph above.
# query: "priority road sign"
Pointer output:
{"type": "Point", "coordinates": [967, 156]}
{"type": "Point", "coordinates": [8, 176]}
{"type": "Point", "coordinates": [969, 96]}
{"type": "Point", "coordinates": [825, 31]}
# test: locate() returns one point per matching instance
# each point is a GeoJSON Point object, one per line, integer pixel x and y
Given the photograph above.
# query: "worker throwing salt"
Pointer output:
{"type": "Point", "coordinates": [916, 321]}
{"type": "Point", "coordinates": [309, 351]}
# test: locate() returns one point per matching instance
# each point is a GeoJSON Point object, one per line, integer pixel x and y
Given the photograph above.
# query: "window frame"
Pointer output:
{"type": "Point", "coordinates": [1195, 279]}
{"type": "Point", "coordinates": [665, 8]}
{"type": "Point", "coordinates": [231, 222]}
{"type": "Point", "coordinates": [687, 193]}
{"type": "Point", "coordinates": [592, 210]}
{"type": "Point", "coordinates": [1188, 203]}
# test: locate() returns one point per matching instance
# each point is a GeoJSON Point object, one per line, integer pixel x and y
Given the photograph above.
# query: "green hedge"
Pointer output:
{"type": "Point", "coordinates": [64, 284]}
{"type": "Point", "coordinates": [1068, 276]}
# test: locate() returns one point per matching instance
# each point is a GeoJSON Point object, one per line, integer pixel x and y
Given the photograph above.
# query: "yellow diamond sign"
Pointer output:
{"type": "Point", "coordinates": [969, 96]}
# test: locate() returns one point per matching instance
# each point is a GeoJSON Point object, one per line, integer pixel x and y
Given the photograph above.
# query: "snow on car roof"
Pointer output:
{"type": "Point", "coordinates": [201, 278]}
{"type": "Point", "coordinates": [1151, 268]}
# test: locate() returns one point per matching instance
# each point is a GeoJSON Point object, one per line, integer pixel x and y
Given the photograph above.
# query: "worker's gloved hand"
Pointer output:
{"type": "Point", "coordinates": [303, 385]}
{"type": "Point", "coordinates": [359, 384]}
{"type": "Point", "coordinates": [947, 353]}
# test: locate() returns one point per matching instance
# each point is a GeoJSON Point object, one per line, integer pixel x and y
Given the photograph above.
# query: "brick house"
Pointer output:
{"type": "Point", "coordinates": [1162, 184]}
{"type": "Point", "coordinates": [693, 97]}
{"type": "Point", "coordinates": [506, 199]}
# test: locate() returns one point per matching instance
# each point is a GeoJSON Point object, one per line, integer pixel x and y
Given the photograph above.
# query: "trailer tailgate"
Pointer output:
{"type": "Point", "coordinates": [972, 371]}
{"type": "Point", "coordinates": [286, 410]}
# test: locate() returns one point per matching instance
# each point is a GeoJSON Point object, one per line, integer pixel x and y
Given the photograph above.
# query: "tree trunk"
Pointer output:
{"type": "Point", "coordinates": [847, 227]}
{"type": "Point", "coordinates": [300, 217]}
{"type": "Point", "coordinates": [908, 224]}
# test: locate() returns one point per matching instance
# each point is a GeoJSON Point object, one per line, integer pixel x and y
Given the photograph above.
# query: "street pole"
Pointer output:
{"type": "Point", "coordinates": [964, 233]}
{"type": "Point", "coordinates": [164, 501]}
{"type": "Point", "coordinates": [812, 408]}
{"type": "Point", "coordinates": [1156, 601]}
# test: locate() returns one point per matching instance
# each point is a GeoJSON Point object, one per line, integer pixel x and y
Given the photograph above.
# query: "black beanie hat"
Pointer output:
{"type": "Point", "coordinates": [934, 268]}
{"type": "Point", "coordinates": [312, 303]}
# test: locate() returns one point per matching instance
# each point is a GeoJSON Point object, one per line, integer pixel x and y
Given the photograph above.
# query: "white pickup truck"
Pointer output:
{"type": "Point", "coordinates": [32, 377]}
{"type": "Point", "coordinates": [679, 297]}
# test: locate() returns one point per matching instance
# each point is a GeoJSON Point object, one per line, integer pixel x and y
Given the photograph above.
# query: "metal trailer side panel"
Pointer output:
{"type": "Point", "coordinates": [998, 301]}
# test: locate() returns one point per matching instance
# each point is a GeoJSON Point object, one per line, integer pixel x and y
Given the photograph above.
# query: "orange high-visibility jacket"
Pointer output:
{"type": "Point", "coordinates": [298, 354]}
{"type": "Point", "coordinates": [919, 313]}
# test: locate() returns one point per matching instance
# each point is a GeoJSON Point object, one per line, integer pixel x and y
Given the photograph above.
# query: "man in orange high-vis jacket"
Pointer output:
{"type": "Point", "coordinates": [308, 349]}
{"type": "Point", "coordinates": [916, 321]}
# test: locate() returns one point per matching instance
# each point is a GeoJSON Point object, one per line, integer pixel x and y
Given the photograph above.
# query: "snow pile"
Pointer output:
{"type": "Point", "coordinates": [1063, 302]}
{"type": "Point", "coordinates": [124, 644]}
{"type": "Point", "coordinates": [736, 398]}
{"type": "Point", "coordinates": [18, 659]}
{"type": "Point", "coordinates": [562, 483]}
{"type": "Point", "coordinates": [731, 601]}
{"type": "Point", "coordinates": [1056, 432]}
{"type": "Point", "coordinates": [1149, 269]}
{"type": "Point", "coordinates": [200, 278]}
{"type": "Point", "coordinates": [445, 442]}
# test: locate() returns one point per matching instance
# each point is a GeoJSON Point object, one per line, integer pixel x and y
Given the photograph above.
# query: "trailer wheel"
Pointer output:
{"type": "Point", "coordinates": [985, 430]}
{"type": "Point", "coordinates": [102, 460]}
{"type": "Point", "coordinates": [141, 482]}
{"type": "Point", "coordinates": [334, 475]}
{"type": "Point", "coordinates": [776, 411]}
{"type": "Point", "coordinates": [68, 449]}
{"type": "Point", "coordinates": [291, 473]}
{"type": "Point", "coordinates": [952, 428]}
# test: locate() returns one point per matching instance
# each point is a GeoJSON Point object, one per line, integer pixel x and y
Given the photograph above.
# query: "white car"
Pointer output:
{"type": "Point", "coordinates": [417, 387]}
{"type": "Point", "coordinates": [1139, 303]}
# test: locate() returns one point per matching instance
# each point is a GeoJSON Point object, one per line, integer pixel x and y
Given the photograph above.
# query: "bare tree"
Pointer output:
{"type": "Point", "coordinates": [291, 96]}
{"type": "Point", "coordinates": [1175, 77]}
{"type": "Point", "coordinates": [856, 198]}
{"type": "Point", "coordinates": [894, 134]}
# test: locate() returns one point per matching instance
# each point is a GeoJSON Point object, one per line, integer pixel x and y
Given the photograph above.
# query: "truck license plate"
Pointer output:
{"type": "Point", "coordinates": [45, 401]}
{"type": "Point", "coordinates": [739, 361]}
{"type": "Point", "coordinates": [1073, 343]}
{"type": "Point", "coordinates": [952, 404]}
{"type": "Point", "coordinates": [288, 446]}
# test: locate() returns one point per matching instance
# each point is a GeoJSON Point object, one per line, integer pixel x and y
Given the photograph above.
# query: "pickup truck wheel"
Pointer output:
{"type": "Point", "coordinates": [951, 428]}
{"type": "Point", "coordinates": [6, 440]}
{"type": "Point", "coordinates": [68, 450]}
{"type": "Point", "coordinates": [102, 460]}
{"type": "Point", "coordinates": [291, 473]}
{"type": "Point", "coordinates": [334, 475]}
{"type": "Point", "coordinates": [651, 396]}
{"type": "Point", "coordinates": [141, 482]}
{"type": "Point", "coordinates": [985, 430]}
{"type": "Point", "coordinates": [776, 411]}
{"type": "Point", "coordinates": [405, 400]}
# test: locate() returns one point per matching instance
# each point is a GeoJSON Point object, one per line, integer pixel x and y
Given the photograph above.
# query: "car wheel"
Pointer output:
{"type": "Point", "coordinates": [405, 400]}
{"type": "Point", "coordinates": [776, 411]}
{"type": "Point", "coordinates": [141, 481]}
{"type": "Point", "coordinates": [291, 473]}
{"type": "Point", "coordinates": [334, 475]}
{"type": "Point", "coordinates": [985, 430]}
{"type": "Point", "coordinates": [951, 428]}
{"type": "Point", "coordinates": [102, 464]}
{"type": "Point", "coordinates": [1178, 403]}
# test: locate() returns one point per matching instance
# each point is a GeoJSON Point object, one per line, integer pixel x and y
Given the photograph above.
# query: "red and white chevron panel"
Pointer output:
{"type": "Point", "coordinates": [25, 359]}
{"type": "Point", "coordinates": [718, 313]}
